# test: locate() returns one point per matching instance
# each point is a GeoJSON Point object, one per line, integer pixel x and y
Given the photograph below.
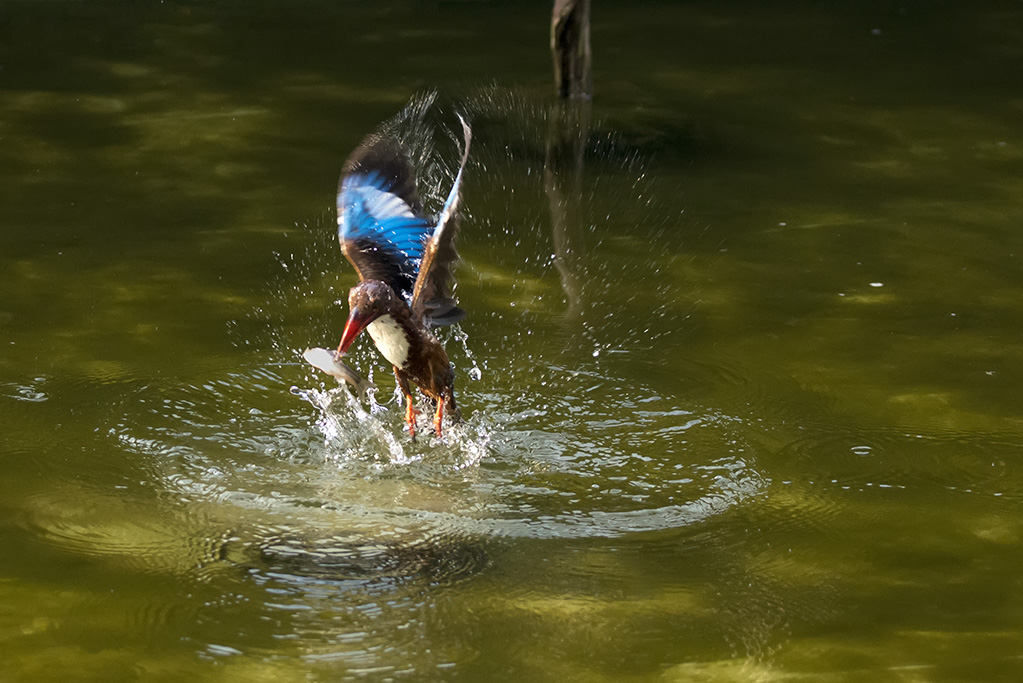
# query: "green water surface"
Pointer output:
{"type": "Point", "coordinates": [741, 372]}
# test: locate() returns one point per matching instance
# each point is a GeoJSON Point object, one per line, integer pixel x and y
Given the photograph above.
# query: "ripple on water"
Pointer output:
{"type": "Point", "coordinates": [855, 458]}
{"type": "Point", "coordinates": [296, 557]}
{"type": "Point", "coordinates": [32, 392]}
{"type": "Point", "coordinates": [567, 465]}
{"type": "Point", "coordinates": [559, 465]}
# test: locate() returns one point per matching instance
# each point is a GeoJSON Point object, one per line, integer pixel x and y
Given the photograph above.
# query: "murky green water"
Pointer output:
{"type": "Point", "coordinates": [759, 421]}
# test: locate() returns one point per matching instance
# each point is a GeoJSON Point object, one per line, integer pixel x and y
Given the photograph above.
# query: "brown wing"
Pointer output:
{"type": "Point", "coordinates": [431, 297]}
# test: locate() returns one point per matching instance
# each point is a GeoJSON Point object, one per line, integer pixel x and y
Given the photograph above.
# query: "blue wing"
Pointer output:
{"type": "Point", "coordinates": [380, 226]}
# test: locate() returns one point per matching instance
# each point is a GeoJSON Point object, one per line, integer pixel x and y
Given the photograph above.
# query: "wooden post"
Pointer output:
{"type": "Point", "coordinates": [570, 49]}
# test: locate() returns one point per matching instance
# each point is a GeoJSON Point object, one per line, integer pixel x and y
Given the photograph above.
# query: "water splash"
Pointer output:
{"type": "Point", "coordinates": [351, 431]}
{"type": "Point", "coordinates": [354, 433]}
{"type": "Point", "coordinates": [475, 372]}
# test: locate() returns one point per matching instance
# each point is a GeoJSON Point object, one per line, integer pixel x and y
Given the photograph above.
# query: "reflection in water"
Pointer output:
{"type": "Point", "coordinates": [563, 170]}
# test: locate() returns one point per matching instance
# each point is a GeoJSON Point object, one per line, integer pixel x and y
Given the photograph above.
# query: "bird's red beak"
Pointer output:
{"type": "Point", "coordinates": [357, 322]}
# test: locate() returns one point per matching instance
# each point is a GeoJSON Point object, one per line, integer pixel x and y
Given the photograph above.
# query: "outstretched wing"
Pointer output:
{"type": "Point", "coordinates": [431, 297]}
{"type": "Point", "coordinates": [380, 226]}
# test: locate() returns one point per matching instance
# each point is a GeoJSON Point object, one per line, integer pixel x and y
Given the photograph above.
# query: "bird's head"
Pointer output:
{"type": "Point", "coordinates": [367, 301]}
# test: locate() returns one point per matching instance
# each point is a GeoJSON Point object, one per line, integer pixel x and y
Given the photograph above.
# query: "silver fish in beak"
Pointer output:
{"type": "Point", "coordinates": [325, 360]}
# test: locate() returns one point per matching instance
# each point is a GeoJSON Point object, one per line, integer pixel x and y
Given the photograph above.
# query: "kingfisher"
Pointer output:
{"type": "Point", "coordinates": [403, 259]}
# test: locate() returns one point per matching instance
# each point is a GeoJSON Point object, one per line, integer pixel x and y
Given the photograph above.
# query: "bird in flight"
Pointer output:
{"type": "Point", "coordinates": [403, 259]}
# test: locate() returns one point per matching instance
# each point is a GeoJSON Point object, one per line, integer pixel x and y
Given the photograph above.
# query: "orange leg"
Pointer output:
{"type": "Point", "coordinates": [410, 416]}
{"type": "Point", "coordinates": [410, 410]}
{"type": "Point", "coordinates": [439, 416]}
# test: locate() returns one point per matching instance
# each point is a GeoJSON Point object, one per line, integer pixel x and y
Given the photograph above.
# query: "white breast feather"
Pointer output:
{"type": "Point", "coordinates": [390, 339]}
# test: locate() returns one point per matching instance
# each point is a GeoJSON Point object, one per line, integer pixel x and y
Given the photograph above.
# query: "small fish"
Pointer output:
{"type": "Point", "coordinates": [324, 360]}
